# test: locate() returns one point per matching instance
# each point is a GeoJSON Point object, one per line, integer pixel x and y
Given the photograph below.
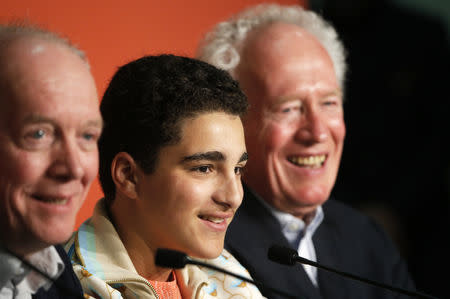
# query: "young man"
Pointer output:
{"type": "Point", "coordinates": [171, 159]}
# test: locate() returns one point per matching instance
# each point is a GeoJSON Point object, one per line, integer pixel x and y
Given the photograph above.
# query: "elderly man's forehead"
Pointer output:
{"type": "Point", "coordinates": [22, 57]}
{"type": "Point", "coordinates": [29, 47]}
{"type": "Point", "coordinates": [274, 32]}
{"type": "Point", "coordinates": [26, 46]}
{"type": "Point", "coordinates": [33, 67]}
{"type": "Point", "coordinates": [25, 54]}
{"type": "Point", "coordinates": [276, 38]}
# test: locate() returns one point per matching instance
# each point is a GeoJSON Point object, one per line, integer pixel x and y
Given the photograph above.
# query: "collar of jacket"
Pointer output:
{"type": "Point", "coordinates": [97, 247]}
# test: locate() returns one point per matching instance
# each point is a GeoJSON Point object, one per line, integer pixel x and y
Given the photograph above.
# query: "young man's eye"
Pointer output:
{"type": "Point", "coordinates": [202, 169]}
{"type": "Point", "coordinates": [239, 170]}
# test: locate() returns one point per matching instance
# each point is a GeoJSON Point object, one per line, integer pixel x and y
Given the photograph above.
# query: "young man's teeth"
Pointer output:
{"type": "Point", "coordinates": [212, 219]}
{"type": "Point", "coordinates": [314, 161]}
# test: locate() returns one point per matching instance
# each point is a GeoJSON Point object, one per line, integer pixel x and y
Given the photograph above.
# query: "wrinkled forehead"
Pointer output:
{"type": "Point", "coordinates": [25, 55]}
{"type": "Point", "coordinates": [277, 35]}
{"type": "Point", "coordinates": [34, 43]}
{"type": "Point", "coordinates": [280, 43]}
{"type": "Point", "coordinates": [36, 73]}
{"type": "Point", "coordinates": [281, 58]}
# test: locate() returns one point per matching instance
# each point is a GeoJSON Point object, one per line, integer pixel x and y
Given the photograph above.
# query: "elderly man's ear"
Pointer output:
{"type": "Point", "coordinates": [124, 174]}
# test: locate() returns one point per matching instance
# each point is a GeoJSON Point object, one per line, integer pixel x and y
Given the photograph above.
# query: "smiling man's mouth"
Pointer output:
{"type": "Point", "coordinates": [53, 200]}
{"type": "Point", "coordinates": [212, 219]}
{"type": "Point", "coordinates": [309, 161]}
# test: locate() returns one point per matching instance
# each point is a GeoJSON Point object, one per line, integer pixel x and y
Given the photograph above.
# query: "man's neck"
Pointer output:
{"type": "Point", "coordinates": [140, 252]}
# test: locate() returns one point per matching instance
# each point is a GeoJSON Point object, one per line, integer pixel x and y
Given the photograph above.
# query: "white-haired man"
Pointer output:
{"type": "Point", "coordinates": [291, 65]}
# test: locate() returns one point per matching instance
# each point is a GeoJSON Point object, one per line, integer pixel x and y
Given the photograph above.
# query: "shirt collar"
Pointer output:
{"type": "Point", "coordinates": [11, 267]}
{"type": "Point", "coordinates": [292, 226]}
{"type": "Point", "coordinates": [47, 260]}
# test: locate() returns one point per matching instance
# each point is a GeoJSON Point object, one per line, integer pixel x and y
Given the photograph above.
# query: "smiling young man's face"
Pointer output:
{"type": "Point", "coordinates": [49, 126]}
{"type": "Point", "coordinates": [295, 126]}
{"type": "Point", "coordinates": [189, 199]}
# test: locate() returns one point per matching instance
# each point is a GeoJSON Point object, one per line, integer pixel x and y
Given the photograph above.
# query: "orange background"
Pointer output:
{"type": "Point", "coordinates": [116, 31]}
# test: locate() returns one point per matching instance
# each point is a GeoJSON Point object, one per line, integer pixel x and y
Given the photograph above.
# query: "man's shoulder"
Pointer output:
{"type": "Point", "coordinates": [343, 217]}
{"type": "Point", "coordinates": [350, 227]}
{"type": "Point", "coordinates": [333, 208]}
{"type": "Point", "coordinates": [254, 217]}
{"type": "Point", "coordinates": [252, 205]}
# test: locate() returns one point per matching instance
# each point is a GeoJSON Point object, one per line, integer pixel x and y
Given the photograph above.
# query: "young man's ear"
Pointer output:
{"type": "Point", "coordinates": [124, 175]}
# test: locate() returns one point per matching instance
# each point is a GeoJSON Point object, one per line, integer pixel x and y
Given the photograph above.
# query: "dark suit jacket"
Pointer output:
{"type": "Point", "coordinates": [345, 240]}
{"type": "Point", "coordinates": [67, 279]}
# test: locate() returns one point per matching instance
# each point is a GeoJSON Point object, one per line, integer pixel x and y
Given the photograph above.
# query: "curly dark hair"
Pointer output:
{"type": "Point", "coordinates": [148, 98]}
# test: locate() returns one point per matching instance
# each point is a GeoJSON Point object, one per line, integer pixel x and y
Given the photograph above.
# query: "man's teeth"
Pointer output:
{"type": "Point", "coordinates": [212, 219]}
{"type": "Point", "coordinates": [54, 200]}
{"type": "Point", "coordinates": [311, 161]}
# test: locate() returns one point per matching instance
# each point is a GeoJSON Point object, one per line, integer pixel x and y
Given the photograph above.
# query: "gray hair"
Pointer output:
{"type": "Point", "coordinates": [221, 46]}
{"type": "Point", "coordinates": [14, 31]}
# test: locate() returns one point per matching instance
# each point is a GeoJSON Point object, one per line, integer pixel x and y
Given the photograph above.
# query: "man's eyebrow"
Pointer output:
{"type": "Point", "coordinates": [35, 118]}
{"type": "Point", "coordinates": [292, 98]}
{"type": "Point", "coordinates": [211, 156]}
{"type": "Point", "coordinates": [96, 123]}
{"type": "Point", "coordinates": [243, 158]}
{"type": "Point", "coordinates": [337, 92]}
{"type": "Point", "coordinates": [284, 99]}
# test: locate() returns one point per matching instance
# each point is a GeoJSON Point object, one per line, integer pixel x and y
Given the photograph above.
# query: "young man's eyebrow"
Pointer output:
{"type": "Point", "coordinates": [211, 156]}
{"type": "Point", "coordinates": [243, 158]}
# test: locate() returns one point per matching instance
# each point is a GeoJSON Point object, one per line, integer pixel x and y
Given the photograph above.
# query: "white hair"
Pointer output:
{"type": "Point", "coordinates": [221, 46]}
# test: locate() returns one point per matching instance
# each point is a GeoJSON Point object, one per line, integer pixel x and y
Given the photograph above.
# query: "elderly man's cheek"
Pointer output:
{"type": "Point", "coordinates": [278, 135]}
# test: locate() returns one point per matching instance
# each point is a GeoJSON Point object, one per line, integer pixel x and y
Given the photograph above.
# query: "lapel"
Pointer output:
{"type": "Point", "coordinates": [329, 253]}
{"type": "Point", "coordinates": [66, 279]}
{"type": "Point", "coordinates": [251, 233]}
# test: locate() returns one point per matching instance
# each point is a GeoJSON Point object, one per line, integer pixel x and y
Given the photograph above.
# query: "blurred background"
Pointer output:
{"type": "Point", "coordinates": [396, 161]}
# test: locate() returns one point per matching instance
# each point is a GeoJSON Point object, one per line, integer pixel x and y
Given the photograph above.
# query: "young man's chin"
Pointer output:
{"type": "Point", "coordinates": [212, 251]}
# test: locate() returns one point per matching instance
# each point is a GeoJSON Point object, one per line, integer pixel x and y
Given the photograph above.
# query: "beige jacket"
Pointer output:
{"type": "Point", "coordinates": [105, 270]}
